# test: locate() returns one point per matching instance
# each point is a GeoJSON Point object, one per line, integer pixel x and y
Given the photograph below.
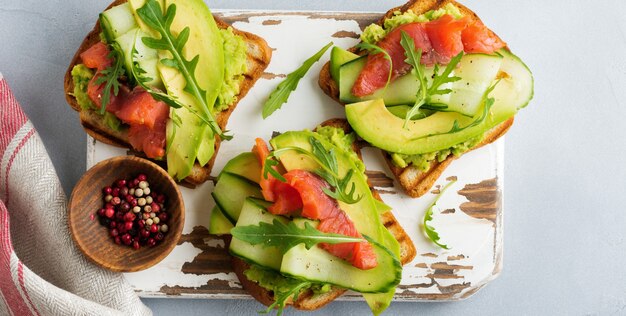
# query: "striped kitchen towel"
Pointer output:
{"type": "Point", "coordinates": [41, 270]}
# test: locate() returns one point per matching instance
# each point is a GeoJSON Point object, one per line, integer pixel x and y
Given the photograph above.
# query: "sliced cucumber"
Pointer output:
{"type": "Point", "coordinates": [218, 223]}
{"type": "Point", "coordinates": [246, 165]}
{"type": "Point", "coordinates": [117, 20]}
{"type": "Point", "coordinates": [146, 57]}
{"type": "Point", "coordinates": [517, 83]}
{"type": "Point", "coordinates": [477, 72]}
{"type": "Point", "coordinates": [338, 57]}
{"type": "Point", "coordinates": [318, 265]}
{"type": "Point", "coordinates": [252, 213]}
{"type": "Point", "coordinates": [230, 192]}
{"type": "Point", "coordinates": [400, 91]}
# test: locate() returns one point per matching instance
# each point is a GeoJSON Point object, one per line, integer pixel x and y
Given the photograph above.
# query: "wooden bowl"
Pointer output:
{"type": "Point", "coordinates": [93, 239]}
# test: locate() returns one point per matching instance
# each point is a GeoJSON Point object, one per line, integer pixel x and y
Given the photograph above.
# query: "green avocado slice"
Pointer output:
{"type": "Point", "coordinates": [191, 140]}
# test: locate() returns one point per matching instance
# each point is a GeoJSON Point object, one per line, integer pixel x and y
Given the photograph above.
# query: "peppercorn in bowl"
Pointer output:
{"type": "Point", "coordinates": [126, 214]}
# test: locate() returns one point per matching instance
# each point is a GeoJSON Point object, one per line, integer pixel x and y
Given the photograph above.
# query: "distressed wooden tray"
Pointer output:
{"type": "Point", "coordinates": [470, 216]}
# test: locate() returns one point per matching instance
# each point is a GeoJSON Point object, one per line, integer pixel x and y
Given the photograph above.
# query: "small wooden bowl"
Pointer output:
{"type": "Point", "coordinates": [93, 239]}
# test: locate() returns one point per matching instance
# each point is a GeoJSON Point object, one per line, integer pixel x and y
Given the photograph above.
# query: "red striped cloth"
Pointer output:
{"type": "Point", "coordinates": [41, 271]}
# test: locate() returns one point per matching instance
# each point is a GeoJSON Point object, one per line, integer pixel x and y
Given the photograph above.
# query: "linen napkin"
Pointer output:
{"type": "Point", "coordinates": [41, 270]}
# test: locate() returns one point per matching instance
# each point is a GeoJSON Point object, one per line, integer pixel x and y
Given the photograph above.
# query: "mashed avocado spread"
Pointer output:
{"type": "Point", "coordinates": [375, 32]}
{"type": "Point", "coordinates": [81, 75]}
{"type": "Point", "coordinates": [338, 137]}
{"type": "Point", "coordinates": [423, 161]}
{"type": "Point", "coordinates": [276, 282]}
{"type": "Point", "coordinates": [234, 67]}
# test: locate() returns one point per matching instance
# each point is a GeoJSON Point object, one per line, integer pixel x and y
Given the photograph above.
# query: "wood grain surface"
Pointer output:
{"type": "Point", "coordinates": [93, 239]}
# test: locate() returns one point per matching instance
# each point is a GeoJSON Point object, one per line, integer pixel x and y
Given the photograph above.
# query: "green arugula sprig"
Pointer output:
{"type": "Point", "coordinates": [153, 16]}
{"type": "Point", "coordinates": [110, 76]}
{"type": "Point", "coordinates": [280, 298]}
{"type": "Point", "coordinates": [487, 104]}
{"type": "Point", "coordinates": [286, 236]}
{"type": "Point", "coordinates": [142, 80]}
{"type": "Point", "coordinates": [428, 216]}
{"type": "Point", "coordinates": [425, 92]}
{"type": "Point", "coordinates": [344, 189]}
{"type": "Point", "coordinates": [373, 48]}
{"type": "Point", "coordinates": [289, 84]}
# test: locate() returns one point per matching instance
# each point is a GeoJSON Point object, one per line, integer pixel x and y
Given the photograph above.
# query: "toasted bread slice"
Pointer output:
{"type": "Point", "coordinates": [307, 300]}
{"type": "Point", "coordinates": [414, 181]}
{"type": "Point", "coordinates": [259, 55]}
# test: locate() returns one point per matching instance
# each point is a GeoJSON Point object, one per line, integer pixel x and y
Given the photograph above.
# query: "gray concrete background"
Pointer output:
{"type": "Point", "coordinates": [565, 173]}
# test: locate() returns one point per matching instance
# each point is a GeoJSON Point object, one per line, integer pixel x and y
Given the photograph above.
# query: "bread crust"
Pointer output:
{"type": "Point", "coordinates": [415, 182]}
{"type": "Point", "coordinates": [258, 53]}
{"type": "Point", "coordinates": [308, 300]}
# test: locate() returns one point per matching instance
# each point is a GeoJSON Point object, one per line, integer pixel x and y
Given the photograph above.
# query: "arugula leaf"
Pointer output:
{"type": "Point", "coordinates": [286, 236]}
{"type": "Point", "coordinates": [280, 299]}
{"type": "Point", "coordinates": [153, 16]}
{"type": "Point", "coordinates": [424, 93]}
{"type": "Point", "coordinates": [110, 76]}
{"type": "Point", "coordinates": [331, 174]}
{"type": "Point", "coordinates": [428, 216]}
{"type": "Point", "coordinates": [487, 104]}
{"type": "Point", "coordinates": [142, 80]}
{"type": "Point", "coordinates": [268, 167]}
{"type": "Point", "coordinates": [289, 84]}
{"type": "Point", "coordinates": [444, 77]}
{"type": "Point", "coordinates": [377, 49]}
{"type": "Point", "coordinates": [413, 58]}
{"type": "Point", "coordinates": [344, 189]}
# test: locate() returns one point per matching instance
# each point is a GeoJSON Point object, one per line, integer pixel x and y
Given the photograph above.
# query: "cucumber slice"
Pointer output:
{"type": "Point", "coordinates": [117, 21]}
{"type": "Point", "coordinates": [218, 223]}
{"type": "Point", "coordinates": [245, 165]}
{"type": "Point", "coordinates": [517, 84]}
{"type": "Point", "coordinates": [338, 57]}
{"type": "Point", "coordinates": [477, 72]}
{"type": "Point", "coordinates": [230, 191]}
{"type": "Point", "coordinates": [252, 213]}
{"type": "Point", "coordinates": [146, 57]}
{"type": "Point", "coordinates": [318, 265]}
{"type": "Point", "coordinates": [400, 91]}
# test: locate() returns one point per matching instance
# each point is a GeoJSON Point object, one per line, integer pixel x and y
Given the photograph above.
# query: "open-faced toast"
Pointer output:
{"type": "Point", "coordinates": [258, 58]}
{"type": "Point", "coordinates": [307, 300]}
{"type": "Point", "coordinates": [415, 181]}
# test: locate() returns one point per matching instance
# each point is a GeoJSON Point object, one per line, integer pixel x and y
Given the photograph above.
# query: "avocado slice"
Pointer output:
{"type": "Point", "coordinates": [190, 141]}
{"type": "Point", "coordinates": [245, 165]}
{"type": "Point", "coordinates": [338, 57]}
{"type": "Point", "coordinates": [374, 123]}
